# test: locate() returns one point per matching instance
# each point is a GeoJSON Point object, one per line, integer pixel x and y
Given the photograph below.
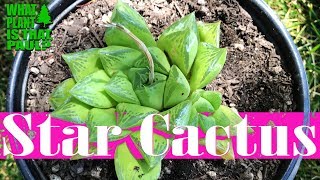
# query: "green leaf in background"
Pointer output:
{"type": "Point", "coordinates": [127, 167]}
{"type": "Point", "coordinates": [206, 122]}
{"type": "Point", "coordinates": [181, 48]}
{"type": "Point", "coordinates": [159, 144]}
{"type": "Point", "coordinates": [118, 58]}
{"type": "Point", "coordinates": [202, 105]}
{"type": "Point", "coordinates": [177, 88]}
{"type": "Point", "coordinates": [209, 32]}
{"type": "Point", "coordinates": [60, 95]}
{"type": "Point", "coordinates": [120, 89]}
{"type": "Point", "coordinates": [91, 90]}
{"type": "Point", "coordinates": [179, 116]}
{"type": "Point", "coordinates": [225, 116]}
{"type": "Point", "coordinates": [83, 63]}
{"type": "Point", "coordinates": [73, 111]}
{"type": "Point", "coordinates": [131, 115]}
{"type": "Point", "coordinates": [161, 63]}
{"type": "Point", "coordinates": [133, 21]}
{"type": "Point", "coordinates": [214, 97]}
{"type": "Point", "coordinates": [207, 65]}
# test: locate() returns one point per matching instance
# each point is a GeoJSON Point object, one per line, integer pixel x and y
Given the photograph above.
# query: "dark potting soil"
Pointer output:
{"type": "Point", "coordinates": [253, 79]}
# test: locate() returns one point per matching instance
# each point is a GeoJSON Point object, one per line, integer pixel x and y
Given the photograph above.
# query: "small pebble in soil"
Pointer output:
{"type": "Point", "coordinates": [55, 168]}
{"type": "Point", "coordinates": [167, 170]}
{"type": "Point", "coordinates": [212, 174]}
{"type": "Point", "coordinates": [96, 172]}
{"type": "Point", "coordinates": [34, 70]}
{"type": "Point", "coordinates": [54, 177]}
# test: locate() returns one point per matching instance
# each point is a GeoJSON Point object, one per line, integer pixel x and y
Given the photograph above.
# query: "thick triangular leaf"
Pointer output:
{"type": "Point", "coordinates": [179, 116]}
{"type": "Point", "coordinates": [194, 97]}
{"type": "Point", "coordinates": [160, 61]}
{"type": "Point", "coordinates": [127, 167]}
{"type": "Point", "coordinates": [202, 105]}
{"type": "Point", "coordinates": [194, 118]}
{"type": "Point", "coordinates": [133, 21]}
{"type": "Point", "coordinates": [131, 115]}
{"type": "Point", "coordinates": [91, 90]}
{"type": "Point", "coordinates": [222, 146]}
{"type": "Point", "coordinates": [214, 97]}
{"type": "Point", "coordinates": [139, 77]}
{"type": "Point", "coordinates": [159, 144]}
{"type": "Point", "coordinates": [120, 89]}
{"type": "Point", "coordinates": [118, 58]}
{"type": "Point", "coordinates": [225, 116]}
{"type": "Point", "coordinates": [209, 32]}
{"type": "Point", "coordinates": [103, 117]}
{"type": "Point", "coordinates": [207, 65]}
{"type": "Point", "coordinates": [187, 22]}
{"type": "Point", "coordinates": [177, 88]}
{"type": "Point", "coordinates": [206, 122]}
{"type": "Point", "coordinates": [152, 95]}
{"type": "Point", "coordinates": [73, 111]}
{"type": "Point", "coordinates": [83, 63]}
{"type": "Point", "coordinates": [181, 47]}
{"type": "Point", "coordinates": [60, 95]}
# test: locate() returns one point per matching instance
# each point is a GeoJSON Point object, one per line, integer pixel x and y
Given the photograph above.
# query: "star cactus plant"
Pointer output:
{"type": "Point", "coordinates": [135, 76]}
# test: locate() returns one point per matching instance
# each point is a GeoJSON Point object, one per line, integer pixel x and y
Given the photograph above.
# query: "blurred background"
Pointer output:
{"type": "Point", "coordinates": [302, 19]}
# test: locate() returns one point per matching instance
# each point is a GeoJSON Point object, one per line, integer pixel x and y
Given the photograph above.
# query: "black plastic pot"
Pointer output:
{"type": "Point", "coordinates": [264, 18]}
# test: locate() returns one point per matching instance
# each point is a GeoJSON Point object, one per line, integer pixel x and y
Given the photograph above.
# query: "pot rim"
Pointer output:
{"type": "Point", "coordinates": [30, 169]}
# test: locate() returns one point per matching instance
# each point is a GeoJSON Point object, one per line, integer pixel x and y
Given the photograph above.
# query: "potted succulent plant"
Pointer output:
{"type": "Point", "coordinates": [136, 76]}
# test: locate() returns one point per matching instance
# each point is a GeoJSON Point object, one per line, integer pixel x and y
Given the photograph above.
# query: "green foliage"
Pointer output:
{"type": "Point", "coordinates": [135, 77]}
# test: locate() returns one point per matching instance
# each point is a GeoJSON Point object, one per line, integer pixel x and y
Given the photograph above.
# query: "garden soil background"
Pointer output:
{"type": "Point", "coordinates": [229, 83]}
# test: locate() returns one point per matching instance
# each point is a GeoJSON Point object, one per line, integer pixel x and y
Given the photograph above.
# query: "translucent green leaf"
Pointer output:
{"type": "Point", "coordinates": [207, 65]}
{"type": "Point", "coordinates": [83, 63]}
{"type": "Point", "coordinates": [103, 117]}
{"type": "Point", "coordinates": [60, 95]}
{"type": "Point", "coordinates": [127, 167]}
{"type": "Point", "coordinates": [131, 115]}
{"type": "Point", "coordinates": [179, 116]}
{"type": "Point", "coordinates": [206, 122]}
{"type": "Point", "coordinates": [181, 47]}
{"type": "Point", "coordinates": [91, 90]}
{"type": "Point", "coordinates": [139, 77]}
{"type": "Point", "coordinates": [132, 20]}
{"type": "Point", "coordinates": [194, 118]}
{"type": "Point", "coordinates": [151, 95]}
{"type": "Point", "coordinates": [159, 144]}
{"type": "Point", "coordinates": [118, 58]}
{"type": "Point", "coordinates": [187, 22]}
{"type": "Point", "coordinates": [120, 89]}
{"type": "Point", "coordinates": [222, 146]}
{"type": "Point", "coordinates": [225, 116]}
{"type": "Point", "coordinates": [209, 32]}
{"type": "Point", "coordinates": [177, 88]}
{"type": "Point", "coordinates": [194, 97]}
{"type": "Point", "coordinates": [202, 105]}
{"type": "Point", "coordinates": [214, 97]}
{"type": "Point", "coordinates": [161, 63]}
{"type": "Point", "coordinates": [73, 111]}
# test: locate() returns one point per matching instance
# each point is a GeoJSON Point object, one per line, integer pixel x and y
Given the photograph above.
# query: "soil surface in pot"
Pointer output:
{"type": "Point", "coordinates": [253, 79]}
